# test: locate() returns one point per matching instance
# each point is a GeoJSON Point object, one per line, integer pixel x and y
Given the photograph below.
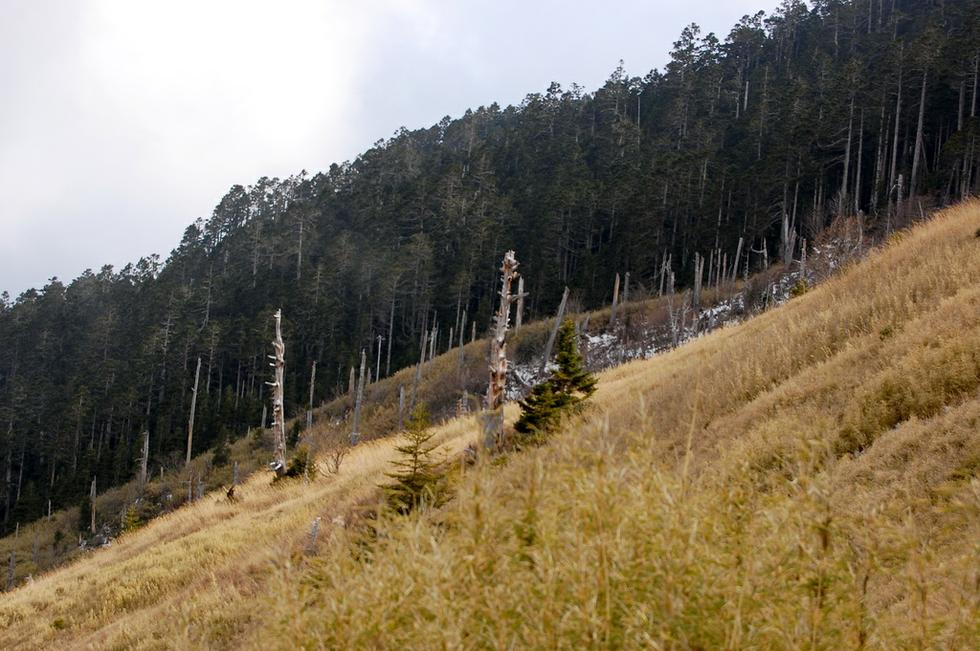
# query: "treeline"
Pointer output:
{"type": "Point", "coordinates": [738, 150]}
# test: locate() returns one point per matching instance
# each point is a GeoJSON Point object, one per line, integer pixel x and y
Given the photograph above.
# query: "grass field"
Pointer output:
{"type": "Point", "coordinates": [807, 479]}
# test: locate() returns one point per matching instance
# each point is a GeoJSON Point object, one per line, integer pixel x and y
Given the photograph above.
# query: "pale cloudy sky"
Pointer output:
{"type": "Point", "coordinates": [121, 121]}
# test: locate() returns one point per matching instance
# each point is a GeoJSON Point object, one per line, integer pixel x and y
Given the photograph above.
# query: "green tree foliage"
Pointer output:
{"type": "Point", "coordinates": [567, 387]}
{"type": "Point", "coordinates": [790, 116]}
{"type": "Point", "coordinates": [222, 452]}
{"type": "Point", "coordinates": [131, 520]}
{"type": "Point", "coordinates": [301, 464]}
{"type": "Point", "coordinates": [417, 480]}
{"type": "Point", "coordinates": [84, 513]}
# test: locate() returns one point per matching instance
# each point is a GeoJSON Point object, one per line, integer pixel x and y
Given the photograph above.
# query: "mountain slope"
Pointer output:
{"type": "Point", "coordinates": [741, 147]}
{"type": "Point", "coordinates": [805, 479]}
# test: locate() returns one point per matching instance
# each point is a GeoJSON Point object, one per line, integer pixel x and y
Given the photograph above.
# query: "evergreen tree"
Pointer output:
{"type": "Point", "coordinates": [417, 480]}
{"type": "Point", "coordinates": [567, 386]}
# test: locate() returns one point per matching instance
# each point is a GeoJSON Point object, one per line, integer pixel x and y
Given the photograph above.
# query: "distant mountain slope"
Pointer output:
{"type": "Point", "coordinates": [806, 479]}
{"type": "Point", "coordinates": [759, 138]}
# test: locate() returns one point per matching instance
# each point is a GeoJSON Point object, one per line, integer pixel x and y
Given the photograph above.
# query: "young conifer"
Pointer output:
{"type": "Point", "coordinates": [417, 480]}
{"type": "Point", "coordinates": [567, 386]}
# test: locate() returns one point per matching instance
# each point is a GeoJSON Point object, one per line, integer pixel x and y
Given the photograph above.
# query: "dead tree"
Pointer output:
{"type": "Point", "coordinates": [519, 317]}
{"type": "Point", "coordinates": [91, 497]}
{"type": "Point", "coordinates": [554, 333]}
{"type": "Point", "coordinates": [698, 277]}
{"type": "Point", "coordinates": [10, 571]}
{"type": "Point", "coordinates": [144, 458]}
{"type": "Point", "coordinates": [417, 381]}
{"type": "Point", "coordinates": [355, 434]}
{"type": "Point", "coordinates": [494, 427]}
{"type": "Point", "coordinates": [190, 421]}
{"type": "Point", "coordinates": [615, 301]}
{"type": "Point", "coordinates": [401, 407]}
{"type": "Point", "coordinates": [309, 412]}
{"type": "Point", "coordinates": [278, 416]}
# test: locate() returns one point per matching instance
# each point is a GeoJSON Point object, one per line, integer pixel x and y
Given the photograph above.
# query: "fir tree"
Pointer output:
{"type": "Point", "coordinates": [417, 480]}
{"type": "Point", "coordinates": [566, 387]}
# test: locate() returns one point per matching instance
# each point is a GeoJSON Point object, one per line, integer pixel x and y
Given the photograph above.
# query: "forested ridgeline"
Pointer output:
{"type": "Point", "coordinates": [736, 152]}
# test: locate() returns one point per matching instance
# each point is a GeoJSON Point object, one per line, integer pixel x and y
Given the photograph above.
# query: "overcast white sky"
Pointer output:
{"type": "Point", "coordinates": [121, 121]}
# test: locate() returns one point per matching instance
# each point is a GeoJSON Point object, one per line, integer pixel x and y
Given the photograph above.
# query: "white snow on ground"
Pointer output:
{"type": "Point", "coordinates": [615, 346]}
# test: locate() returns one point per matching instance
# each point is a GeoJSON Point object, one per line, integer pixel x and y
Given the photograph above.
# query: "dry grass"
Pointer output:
{"type": "Point", "coordinates": [807, 479]}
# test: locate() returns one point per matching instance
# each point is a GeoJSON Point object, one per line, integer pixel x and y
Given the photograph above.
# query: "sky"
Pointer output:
{"type": "Point", "coordinates": [123, 121]}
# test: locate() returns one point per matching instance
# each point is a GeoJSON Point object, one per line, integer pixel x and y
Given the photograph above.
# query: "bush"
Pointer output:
{"type": "Point", "coordinates": [131, 520]}
{"type": "Point", "coordinates": [302, 464]}
{"type": "Point", "coordinates": [799, 288]}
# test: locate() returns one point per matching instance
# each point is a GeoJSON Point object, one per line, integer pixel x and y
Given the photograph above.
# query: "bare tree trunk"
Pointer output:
{"type": "Point", "coordinates": [976, 78]}
{"type": "Point", "coordinates": [847, 156]}
{"type": "Point", "coordinates": [91, 497]}
{"type": "Point", "coordinates": [738, 256]}
{"type": "Point", "coordinates": [917, 153]}
{"type": "Point", "coordinates": [519, 317]}
{"type": "Point", "coordinates": [494, 426]}
{"type": "Point", "coordinates": [144, 459]}
{"type": "Point", "coordinates": [462, 345]}
{"type": "Point", "coordinates": [418, 372]}
{"type": "Point", "coordinates": [894, 166]}
{"type": "Point", "coordinates": [698, 277]}
{"type": "Point", "coordinates": [190, 421]}
{"type": "Point", "coordinates": [355, 434]}
{"type": "Point", "coordinates": [278, 400]}
{"type": "Point", "coordinates": [615, 300]}
{"type": "Point", "coordinates": [309, 412]}
{"type": "Point", "coordinates": [11, 568]}
{"type": "Point", "coordinates": [554, 333]}
{"type": "Point", "coordinates": [401, 407]}
{"type": "Point", "coordinates": [857, 171]}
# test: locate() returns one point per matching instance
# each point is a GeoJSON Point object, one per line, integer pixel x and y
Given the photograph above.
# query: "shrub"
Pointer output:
{"type": "Point", "coordinates": [301, 464]}
{"type": "Point", "coordinates": [131, 519]}
{"type": "Point", "coordinates": [798, 289]}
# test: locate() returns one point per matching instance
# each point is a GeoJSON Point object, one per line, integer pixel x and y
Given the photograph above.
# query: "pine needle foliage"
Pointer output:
{"type": "Point", "coordinates": [568, 385]}
{"type": "Point", "coordinates": [417, 480]}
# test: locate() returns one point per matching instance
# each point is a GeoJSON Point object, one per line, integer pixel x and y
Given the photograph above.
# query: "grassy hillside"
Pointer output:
{"type": "Point", "coordinates": [807, 479]}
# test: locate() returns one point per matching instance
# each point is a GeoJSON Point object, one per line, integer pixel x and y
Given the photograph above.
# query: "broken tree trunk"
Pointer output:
{"type": "Point", "coordinates": [698, 277]}
{"type": "Point", "coordinates": [144, 458]}
{"type": "Point", "coordinates": [355, 434]}
{"type": "Point", "coordinates": [190, 421]}
{"type": "Point", "coordinates": [309, 411]}
{"type": "Point", "coordinates": [91, 497]}
{"type": "Point", "coordinates": [401, 407]}
{"type": "Point", "coordinates": [615, 301]}
{"type": "Point", "coordinates": [278, 415]}
{"type": "Point", "coordinates": [554, 333]}
{"type": "Point", "coordinates": [494, 425]}
{"type": "Point", "coordinates": [418, 372]}
{"type": "Point", "coordinates": [519, 317]}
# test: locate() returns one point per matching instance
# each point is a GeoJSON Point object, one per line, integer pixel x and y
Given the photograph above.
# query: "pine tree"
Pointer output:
{"type": "Point", "coordinates": [417, 480]}
{"type": "Point", "coordinates": [566, 387]}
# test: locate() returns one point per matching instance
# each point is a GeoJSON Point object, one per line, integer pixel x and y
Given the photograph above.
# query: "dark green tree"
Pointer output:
{"type": "Point", "coordinates": [417, 480]}
{"type": "Point", "coordinates": [567, 386]}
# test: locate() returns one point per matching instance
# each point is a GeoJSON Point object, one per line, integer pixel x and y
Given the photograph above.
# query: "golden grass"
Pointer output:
{"type": "Point", "coordinates": [807, 479]}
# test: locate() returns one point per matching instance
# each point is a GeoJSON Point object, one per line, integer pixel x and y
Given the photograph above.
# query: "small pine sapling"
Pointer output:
{"type": "Point", "coordinates": [417, 480]}
{"type": "Point", "coordinates": [568, 385]}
